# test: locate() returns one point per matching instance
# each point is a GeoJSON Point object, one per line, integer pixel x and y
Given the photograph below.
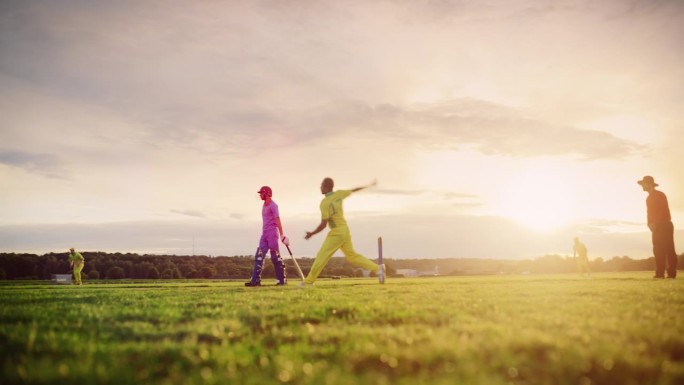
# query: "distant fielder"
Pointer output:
{"type": "Point", "coordinates": [76, 261]}
{"type": "Point", "coordinates": [339, 237]}
{"type": "Point", "coordinates": [269, 240]}
{"type": "Point", "coordinates": [579, 251]}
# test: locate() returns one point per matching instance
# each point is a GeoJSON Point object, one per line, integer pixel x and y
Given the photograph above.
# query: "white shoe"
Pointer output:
{"type": "Point", "coordinates": [304, 285]}
{"type": "Point", "coordinates": [381, 273]}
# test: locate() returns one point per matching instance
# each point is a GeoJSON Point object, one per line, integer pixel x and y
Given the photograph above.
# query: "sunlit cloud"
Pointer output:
{"type": "Point", "coordinates": [48, 165]}
{"type": "Point", "coordinates": [190, 213]}
{"type": "Point", "coordinates": [493, 129]}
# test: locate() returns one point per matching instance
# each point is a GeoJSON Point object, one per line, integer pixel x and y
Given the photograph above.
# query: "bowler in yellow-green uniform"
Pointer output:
{"type": "Point", "coordinates": [77, 261]}
{"type": "Point", "coordinates": [339, 237]}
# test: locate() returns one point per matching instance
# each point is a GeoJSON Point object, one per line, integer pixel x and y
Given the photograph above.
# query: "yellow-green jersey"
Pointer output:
{"type": "Point", "coordinates": [76, 257]}
{"type": "Point", "coordinates": [580, 249]}
{"type": "Point", "coordinates": [331, 209]}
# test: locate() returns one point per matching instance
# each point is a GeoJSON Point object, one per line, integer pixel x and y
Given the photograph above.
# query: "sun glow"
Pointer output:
{"type": "Point", "coordinates": [539, 200]}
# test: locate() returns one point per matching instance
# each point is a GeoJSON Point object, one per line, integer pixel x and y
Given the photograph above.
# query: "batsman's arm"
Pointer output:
{"type": "Point", "coordinates": [321, 226]}
{"type": "Point", "coordinates": [280, 227]}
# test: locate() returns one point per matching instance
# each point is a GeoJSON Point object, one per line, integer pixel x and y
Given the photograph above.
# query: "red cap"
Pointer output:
{"type": "Point", "coordinates": [267, 190]}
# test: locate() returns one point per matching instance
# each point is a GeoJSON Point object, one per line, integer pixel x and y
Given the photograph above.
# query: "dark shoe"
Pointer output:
{"type": "Point", "coordinates": [250, 284]}
{"type": "Point", "coordinates": [658, 277]}
{"type": "Point", "coordinates": [281, 284]}
{"type": "Point", "coordinates": [671, 277]}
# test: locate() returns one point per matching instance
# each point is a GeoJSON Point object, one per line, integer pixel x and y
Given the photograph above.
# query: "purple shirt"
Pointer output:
{"type": "Point", "coordinates": [269, 213]}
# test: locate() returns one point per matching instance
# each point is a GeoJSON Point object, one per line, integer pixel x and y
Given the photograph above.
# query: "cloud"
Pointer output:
{"type": "Point", "coordinates": [608, 226]}
{"type": "Point", "coordinates": [218, 78]}
{"type": "Point", "coordinates": [467, 204]}
{"type": "Point", "coordinates": [190, 213]}
{"type": "Point", "coordinates": [43, 164]}
{"type": "Point", "coordinates": [488, 127]}
{"type": "Point", "coordinates": [453, 195]}
{"type": "Point", "coordinates": [135, 236]}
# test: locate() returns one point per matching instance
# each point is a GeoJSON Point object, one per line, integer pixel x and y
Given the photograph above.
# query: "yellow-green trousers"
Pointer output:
{"type": "Point", "coordinates": [337, 239]}
{"type": "Point", "coordinates": [583, 266]}
{"type": "Point", "coordinates": [78, 266]}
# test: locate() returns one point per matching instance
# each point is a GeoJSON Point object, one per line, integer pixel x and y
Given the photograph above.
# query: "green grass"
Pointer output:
{"type": "Point", "coordinates": [562, 329]}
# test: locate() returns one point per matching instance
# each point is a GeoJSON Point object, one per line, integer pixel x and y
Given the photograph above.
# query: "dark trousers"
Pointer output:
{"type": "Point", "coordinates": [268, 242]}
{"type": "Point", "coordinates": [664, 250]}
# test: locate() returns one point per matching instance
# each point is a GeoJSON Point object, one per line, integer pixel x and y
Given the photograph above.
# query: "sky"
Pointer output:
{"type": "Point", "coordinates": [495, 129]}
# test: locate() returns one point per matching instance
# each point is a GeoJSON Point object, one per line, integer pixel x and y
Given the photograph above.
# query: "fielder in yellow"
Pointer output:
{"type": "Point", "coordinates": [339, 237]}
{"type": "Point", "coordinates": [76, 261]}
{"type": "Point", "coordinates": [579, 251]}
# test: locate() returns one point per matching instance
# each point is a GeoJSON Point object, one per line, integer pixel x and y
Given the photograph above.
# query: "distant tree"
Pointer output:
{"type": "Point", "coordinates": [188, 270]}
{"type": "Point", "coordinates": [207, 272]}
{"type": "Point", "coordinates": [598, 264]}
{"type": "Point", "coordinates": [20, 266]}
{"type": "Point", "coordinates": [170, 273]}
{"type": "Point", "coordinates": [152, 273]}
{"type": "Point", "coordinates": [169, 270]}
{"type": "Point", "coordinates": [141, 270]}
{"type": "Point", "coordinates": [3, 275]}
{"type": "Point", "coordinates": [51, 265]}
{"type": "Point", "coordinates": [128, 267]}
{"type": "Point", "coordinates": [108, 265]}
{"type": "Point", "coordinates": [93, 274]}
{"type": "Point", "coordinates": [191, 273]}
{"type": "Point", "coordinates": [116, 273]}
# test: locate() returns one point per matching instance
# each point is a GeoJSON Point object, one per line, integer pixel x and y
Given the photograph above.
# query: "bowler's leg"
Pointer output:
{"type": "Point", "coordinates": [585, 266]}
{"type": "Point", "coordinates": [357, 259]}
{"type": "Point", "coordinates": [330, 245]}
{"type": "Point", "coordinates": [78, 267]}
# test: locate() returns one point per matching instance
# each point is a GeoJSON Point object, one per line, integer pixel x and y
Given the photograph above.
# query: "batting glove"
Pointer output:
{"type": "Point", "coordinates": [285, 241]}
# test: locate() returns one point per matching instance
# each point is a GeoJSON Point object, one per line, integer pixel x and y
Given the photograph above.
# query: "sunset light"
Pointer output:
{"type": "Point", "coordinates": [539, 200]}
{"type": "Point", "coordinates": [149, 128]}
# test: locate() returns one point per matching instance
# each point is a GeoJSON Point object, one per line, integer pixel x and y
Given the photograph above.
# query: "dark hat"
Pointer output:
{"type": "Point", "coordinates": [267, 190]}
{"type": "Point", "coordinates": [648, 180]}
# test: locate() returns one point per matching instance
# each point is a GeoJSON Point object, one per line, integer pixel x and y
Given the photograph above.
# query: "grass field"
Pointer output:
{"type": "Point", "coordinates": [561, 329]}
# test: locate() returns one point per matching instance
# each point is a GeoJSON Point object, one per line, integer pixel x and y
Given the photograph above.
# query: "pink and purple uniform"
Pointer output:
{"type": "Point", "coordinates": [269, 213]}
{"type": "Point", "coordinates": [269, 242]}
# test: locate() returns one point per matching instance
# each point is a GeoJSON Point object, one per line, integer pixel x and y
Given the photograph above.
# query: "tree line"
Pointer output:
{"type": "Point", "coordinates": [101, 265]}
{"type": "Point", "coordinates": [547, 264]}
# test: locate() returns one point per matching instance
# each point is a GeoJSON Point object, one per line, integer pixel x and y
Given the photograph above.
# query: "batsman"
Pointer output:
{"type": "Point", "coordinates": [339, 237]}
{"type": "Point", "coordinates": [269, 240]}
